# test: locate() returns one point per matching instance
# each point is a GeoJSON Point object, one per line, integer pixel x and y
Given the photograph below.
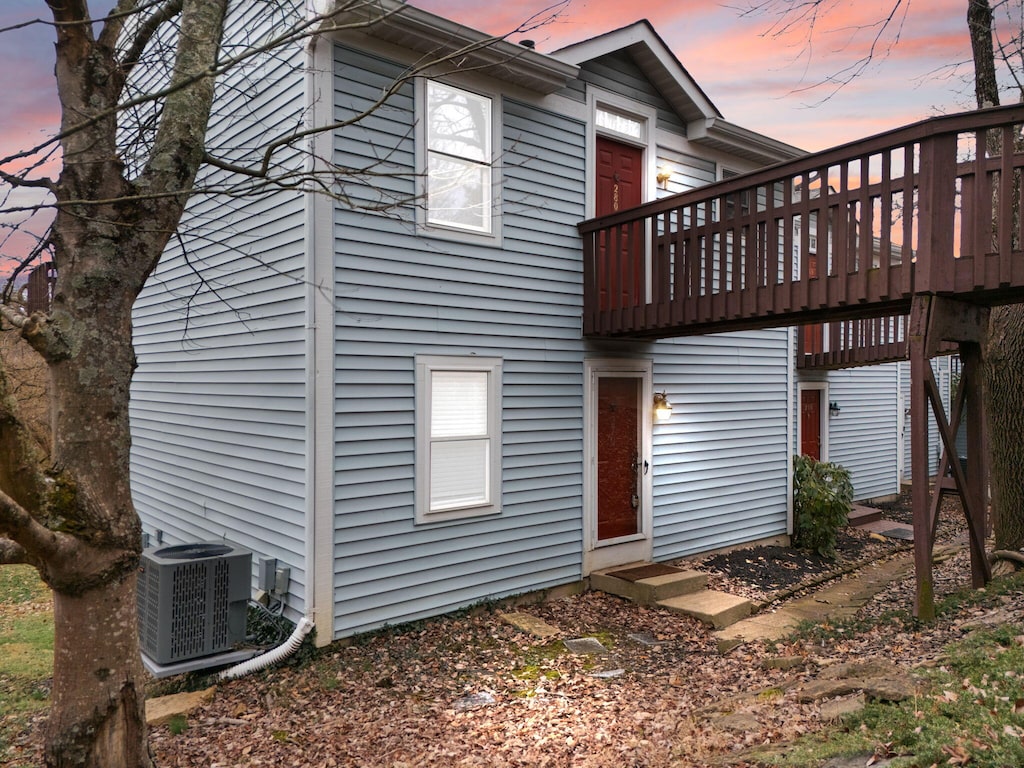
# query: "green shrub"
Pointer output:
{"type": "Point", "coordinates": [822, 493]}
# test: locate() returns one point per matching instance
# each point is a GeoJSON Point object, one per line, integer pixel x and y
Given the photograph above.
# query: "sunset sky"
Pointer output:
{"type": "Point", "coordinates": [757, 80]}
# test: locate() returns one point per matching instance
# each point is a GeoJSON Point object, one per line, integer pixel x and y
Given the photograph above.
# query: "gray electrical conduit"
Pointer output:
{"type": "Point", "coordinates": [274, 655]}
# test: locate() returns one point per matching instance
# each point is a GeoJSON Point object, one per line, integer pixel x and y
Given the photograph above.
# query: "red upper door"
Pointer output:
{"type": "Point", "coordinates": [810, 423]}
{"type": "Point", "coordinates": [619, 187]}
{"type": "Point", "coordinates": [620, 177]}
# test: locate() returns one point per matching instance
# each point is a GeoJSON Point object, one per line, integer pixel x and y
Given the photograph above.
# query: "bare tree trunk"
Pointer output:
{"type": "Point", "coordinates": [78, 526]}
{"type": "Point", "coordinates": [1003, 368]}
{"type": "Point", "coordinates": [1004, 400]}
{"type": "Point", "coordinates": [98, 713]}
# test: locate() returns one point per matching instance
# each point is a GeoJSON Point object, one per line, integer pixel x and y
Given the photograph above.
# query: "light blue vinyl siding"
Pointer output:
{"type": "Point", "coordinates": [721, 463]}
{"type": "Point", "coordinates": [399, 295]}
{"type": "Point", "coordinates": [720, 468]}
{"type": "Point", "coordinates": [864, 436]}
{"type": "Point", "coordinates": [218, 403]}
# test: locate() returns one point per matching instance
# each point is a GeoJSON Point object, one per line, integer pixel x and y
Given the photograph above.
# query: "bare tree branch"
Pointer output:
{"type": "Point", "coordinates": [300, 31]}
{"type": "Point", "coordinates": [146, 32]}
{"type": "Point", "coordinates": [807, 14]}
{"type": "Point", "coordinates": [39, 332]}
{"type": "Point", "coordinates": [12, 553]}
{"type": "Point", "coordinates": [19, 181]}
{"type": "Point", "coordinates": [20, 527]}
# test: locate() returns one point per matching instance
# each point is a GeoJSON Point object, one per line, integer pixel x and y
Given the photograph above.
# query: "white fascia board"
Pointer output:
{"type": "Point", "coordinates": [436, 38]}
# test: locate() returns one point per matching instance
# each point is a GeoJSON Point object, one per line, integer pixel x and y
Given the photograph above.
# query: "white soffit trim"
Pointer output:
{"type": "Point", "coordinates": [736, 140]}
{"type": "Point", "coordinates": [657, 61]}
{"type": "Point", "coordinates": [435, 37]}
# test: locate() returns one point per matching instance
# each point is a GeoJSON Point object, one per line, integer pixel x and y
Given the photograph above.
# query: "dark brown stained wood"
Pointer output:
{"type": "Point", "coordinates": [893, 216]}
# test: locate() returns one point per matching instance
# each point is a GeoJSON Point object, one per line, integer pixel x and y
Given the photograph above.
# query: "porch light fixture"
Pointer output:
{"type": "Point", "coordinates": [662, 407]}
{"type": "Point", "coordinates": [664, 174]}
{"type": "Point", "coordinates": [833, 408]}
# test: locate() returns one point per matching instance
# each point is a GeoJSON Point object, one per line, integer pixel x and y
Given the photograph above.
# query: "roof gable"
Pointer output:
{"type": "Point", "coordinates": [705, 125]}
{"type": "Point", "coordinates": [656, 60]}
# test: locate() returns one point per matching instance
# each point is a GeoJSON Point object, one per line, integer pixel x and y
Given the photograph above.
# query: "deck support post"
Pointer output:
{"type": "Point", "coordinates": [932, 321]}
{"type": "Point", "coordinates": [924, 596]}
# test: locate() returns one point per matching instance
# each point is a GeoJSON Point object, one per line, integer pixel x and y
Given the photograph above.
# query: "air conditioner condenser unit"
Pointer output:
{"type": "Point", "coordinates": [193, 600]}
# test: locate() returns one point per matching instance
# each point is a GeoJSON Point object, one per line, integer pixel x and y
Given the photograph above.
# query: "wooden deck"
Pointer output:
{"type": "Point", "coordinates": [900, 243]}
{"type": "Point", "coordinates": [852, 233]}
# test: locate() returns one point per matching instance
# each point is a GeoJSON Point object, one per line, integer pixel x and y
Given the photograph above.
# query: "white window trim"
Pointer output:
{"type": "Point", "coordinates": [597, 98]}
{"type": "Point", "coordinates": [425, 365]}
{"type": "Point", "coordinates": [451, 232]}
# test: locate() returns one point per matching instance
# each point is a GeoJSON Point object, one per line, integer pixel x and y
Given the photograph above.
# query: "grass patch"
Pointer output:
{"type": "Point", "coordinates": [26, 651]}
{"type": "Point", "coordinates": [26, 647]}
{"type": "Point", "coordinates": [21, 584]}
{"type": "Point", "coordinates": [972, 712]}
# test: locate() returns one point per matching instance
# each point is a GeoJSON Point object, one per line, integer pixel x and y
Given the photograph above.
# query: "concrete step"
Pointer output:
{"type": "Point", "coordinates": [860, 515]}
{"type": "Point", "coordinates": [715, 608]}
{"type": "Point", "coordinates": [648, 583]}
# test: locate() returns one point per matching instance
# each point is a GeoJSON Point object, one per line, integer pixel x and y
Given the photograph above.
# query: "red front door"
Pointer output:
{"type": "Point", "coordinates": [618, 456]}
{"type": "Point", "coordinates": [619, 177]}
{"type": "Point", "coordinates": [810, 423]}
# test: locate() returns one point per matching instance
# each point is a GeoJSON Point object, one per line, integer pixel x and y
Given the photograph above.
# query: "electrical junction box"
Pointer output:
{"type": "Point", "coordinates": [193, 600]}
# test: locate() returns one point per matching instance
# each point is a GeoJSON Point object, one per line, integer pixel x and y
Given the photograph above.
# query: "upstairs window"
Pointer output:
{"type": "Point", "coordinates": [458, 159]}
{"type": "Point", "coordinates": [458, 445]}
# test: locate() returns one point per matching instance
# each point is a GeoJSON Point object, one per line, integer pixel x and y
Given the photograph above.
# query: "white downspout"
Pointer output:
{"type": "Point", "coordinates": [320, 373]}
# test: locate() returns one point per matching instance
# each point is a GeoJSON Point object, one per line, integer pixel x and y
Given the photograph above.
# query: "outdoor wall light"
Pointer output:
{"type": "Point", "coordinates": [833, 408]}
{"type": "Point", "coordinates": [662, 407]}
{"type": "Point", "coordinates": [664, 174]}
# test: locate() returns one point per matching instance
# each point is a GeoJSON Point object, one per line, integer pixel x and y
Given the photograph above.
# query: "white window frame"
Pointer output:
{"type": "Point", "coordinates": [491, 233]}
{"type": "Point", "coordinates": [426, 366]}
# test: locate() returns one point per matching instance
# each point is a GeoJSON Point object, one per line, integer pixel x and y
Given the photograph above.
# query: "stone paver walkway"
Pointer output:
{"type": "Point", "coordinates": [839, 600]}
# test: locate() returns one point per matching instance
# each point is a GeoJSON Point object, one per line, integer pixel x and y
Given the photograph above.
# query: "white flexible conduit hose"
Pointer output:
{"type": "Point", "coordinates": [274, 655]}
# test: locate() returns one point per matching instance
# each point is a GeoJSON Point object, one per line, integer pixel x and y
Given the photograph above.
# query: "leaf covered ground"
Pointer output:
{"type": "Point", "coordinates": [472, 690]}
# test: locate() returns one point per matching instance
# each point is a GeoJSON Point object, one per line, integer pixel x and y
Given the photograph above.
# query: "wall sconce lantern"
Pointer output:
{"type": "Point", "coordinates": [662, 407]}
{"type": "Point", "coordinates": [833, 408]}
{"type": "Point", "coordinates": [664, 174]}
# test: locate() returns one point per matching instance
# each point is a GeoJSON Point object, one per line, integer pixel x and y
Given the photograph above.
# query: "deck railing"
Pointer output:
{"type": "Point", "coordinates": [852, 232]}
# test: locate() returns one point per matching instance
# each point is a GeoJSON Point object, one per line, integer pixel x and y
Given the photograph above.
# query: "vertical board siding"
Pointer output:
{"type": "Point", "coordinates": [721, 463]}
{"type": "Point", "coordinates": [399, 295]}
{"type": "Point", "coordinates": [863, 437]}
{"type": "Point", "coordinates": [218, 404]}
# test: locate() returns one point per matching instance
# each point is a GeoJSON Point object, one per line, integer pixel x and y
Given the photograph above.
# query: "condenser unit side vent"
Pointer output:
{"type": "Point", "coordinates": [193, 600]}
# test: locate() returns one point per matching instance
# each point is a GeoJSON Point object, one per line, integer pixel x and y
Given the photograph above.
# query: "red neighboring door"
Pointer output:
{"type": "Point", "coordinates": [618, 456]}
{"type": "Point", "coordinates": [814, 335]}
{"type": "Point", "coordinates": [810, 423]}
{"type": "Point", "coordinates": [620, 176]}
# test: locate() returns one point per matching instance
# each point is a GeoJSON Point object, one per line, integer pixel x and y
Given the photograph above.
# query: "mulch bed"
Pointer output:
{"type": "Point", "coordinates": [763, 573]}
